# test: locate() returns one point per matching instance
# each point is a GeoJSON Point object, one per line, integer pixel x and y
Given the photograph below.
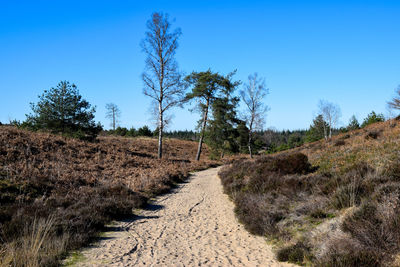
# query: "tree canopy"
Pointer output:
{"type": "Point", "coordinates": [162, 79]}
{"type": "Point", "coordinates": [207, 87]}
{"type": "Point", "coordinates": [62, 109]}
{"type": "Point", "coordinates": [317, 130]}
{"type": "Point", "coordinates": [372, 118]}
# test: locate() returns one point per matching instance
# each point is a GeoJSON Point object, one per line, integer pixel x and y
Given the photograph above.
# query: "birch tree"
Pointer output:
{"type": "Point", "coordinates": [331, 114]}
{"type": "Point", "coordinates": [253, 95]}
{"type": "Point", "coordinates": [161, 78]}
{"type": "Point", "coordinates": [113, 113]}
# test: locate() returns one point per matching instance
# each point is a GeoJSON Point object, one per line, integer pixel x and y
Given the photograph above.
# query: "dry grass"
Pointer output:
{"type": "Point", "coordinates": [342, 211]}
{"type": "Point", "coordinates": [37, 246]}
{"type": "Point", "coordinates": [57, 193]}
{"type": "Point", "coordinates": [376, 145]}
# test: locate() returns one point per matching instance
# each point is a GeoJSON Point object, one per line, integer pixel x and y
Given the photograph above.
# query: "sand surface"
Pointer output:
{"type": "Point", "coordinates": [193, 226]}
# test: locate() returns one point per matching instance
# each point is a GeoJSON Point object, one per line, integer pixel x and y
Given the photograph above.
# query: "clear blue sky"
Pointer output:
{"type": "Point", "coordinates": [347, 52]}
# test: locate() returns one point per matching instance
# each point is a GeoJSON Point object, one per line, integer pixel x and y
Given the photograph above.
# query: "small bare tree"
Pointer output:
{"type": "Point", "coordinates": [113, 113]}
{"type": "Point", "coordinates": [395, 103]}
{"type": "Point", "coordinates": [331, 114]}
{"type": "Point", "coordinates": [162, 79]}
{"type": "Point", "coordinates": [253, 95]}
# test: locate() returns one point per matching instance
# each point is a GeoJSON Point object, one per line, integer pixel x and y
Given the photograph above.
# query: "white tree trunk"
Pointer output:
{"type": "Point", "coordinates": [250, 138]}
{"type": "Point", "coordinates": [160, 130]}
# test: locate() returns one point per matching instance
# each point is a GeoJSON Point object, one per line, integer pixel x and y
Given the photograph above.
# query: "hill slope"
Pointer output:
{"type": "Point", "coordinates": [57, 193]}
{"type": "Point", "coordinates": [333, 203]}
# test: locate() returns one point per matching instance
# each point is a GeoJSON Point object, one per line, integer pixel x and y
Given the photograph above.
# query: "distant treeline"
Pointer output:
{"type": "Point", "coordinates": [145, 131]}
{"type": "Point", "coordinates": [267, 141]}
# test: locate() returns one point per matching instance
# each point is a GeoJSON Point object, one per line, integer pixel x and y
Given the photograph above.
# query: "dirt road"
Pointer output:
{"type": "Point", "coordinates": [193, 226]}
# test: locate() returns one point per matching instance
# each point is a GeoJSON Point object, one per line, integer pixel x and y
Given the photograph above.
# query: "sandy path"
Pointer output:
{"type": "Point", "coordinates": [193, 226]}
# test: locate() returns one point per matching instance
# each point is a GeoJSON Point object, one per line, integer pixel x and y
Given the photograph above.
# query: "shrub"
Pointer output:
{"type": "Point", "coordinates": [345, 252]}
{"type": "Point", "coordinates": [372, 135]}
{"type": "Point", "coordinates": [319, 214]}
{"type": "Point", "coordinates": [257, 215]}
{"type": "Point", "coordinates": [347, 195]}
{"type": "Point", "coordinates": [263, 189]}
{"type": "Point", "coordinates": [376, 226]}
{"type": "Point", "coordinates": [288, 163]}
{"type": "Point", "coordinates": [294, 253]}
{"type": "Point", "coordinates": [339, 143]}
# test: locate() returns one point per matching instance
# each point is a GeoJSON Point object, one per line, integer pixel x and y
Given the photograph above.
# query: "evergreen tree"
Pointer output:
{"type": "Point", "coordinates": [63, 110]}
{"type": "Point", "coordinates": [243, 137]}
{"type": "Point", "coordinates": [317, 130]}
{"type": "Point", "coordinates": [353, 124]}
{"type": "Point", "coordinates": [207, 87]}
{"type": "Point", "coordinates": [121, 131]}
{"type": "Point", "coordinates": [372, 118]}
{"type": "Point", "coordinates": [222, 133]}
{"type": "Point", "coordinates": [144, 131]}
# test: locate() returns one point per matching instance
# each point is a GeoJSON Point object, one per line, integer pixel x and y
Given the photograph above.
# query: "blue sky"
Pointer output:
{"type": "Point", "coordinates": [346, 52]}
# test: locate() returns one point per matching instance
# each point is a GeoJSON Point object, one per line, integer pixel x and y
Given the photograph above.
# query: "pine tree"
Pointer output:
{"type": "Point", "coordinates": [207, 87]}
{"type": "Point", "coordinates": [222, 133]}
{"type": "Point", "coordinates": [63, 110]}
{"type": "Point", "coordinates": [317, 130]}
{"type": "Point", "coordinates": [353, 124]}
{"type": "Point", "coordinates": [372, 118]}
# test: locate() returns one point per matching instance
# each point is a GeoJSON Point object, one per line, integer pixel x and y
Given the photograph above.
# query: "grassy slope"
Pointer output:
{"type": "Point", "coordinates": [343, 211]}
{"type": "Point", "coordinates": [377, 145]}
{"type": "Point", "coordinates": [57, 193]}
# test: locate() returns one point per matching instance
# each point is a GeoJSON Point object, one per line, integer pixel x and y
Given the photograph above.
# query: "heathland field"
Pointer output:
{"type": "Point", "coordinates": [327, 203]}
{"type": "Point", "coordinates": [57, 193]}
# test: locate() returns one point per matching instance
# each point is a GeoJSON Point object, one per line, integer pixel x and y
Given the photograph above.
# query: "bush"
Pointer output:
{"type": "Point", "coordinates": [372, 135]}
{"type": "Point", "coordinates": [339, 143]}
{"type": "Point", "coordinates": [257, 215]}
{"type": "Point", "coordinates": [295, 253]}
{"type": "Point", "coordinates": [288, 163]}
{"type": "Point", "coordinates": [263, 189]}
{"type": "Point", "coordinates": [347, 196]}
{"type": "Point", "coordinates": [375, 226]}
{"type": "Point", "coordinates": [344, 252]}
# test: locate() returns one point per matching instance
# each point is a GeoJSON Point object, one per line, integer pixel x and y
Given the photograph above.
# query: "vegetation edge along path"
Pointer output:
{"type": "Point", "coordinates": [193, 225]}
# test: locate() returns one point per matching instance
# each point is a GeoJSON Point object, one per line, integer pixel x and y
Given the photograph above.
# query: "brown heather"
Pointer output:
{"type": "Point", "coordinates": [342, 209]}
{"type": "Point", "coordinates": [57, 193]}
